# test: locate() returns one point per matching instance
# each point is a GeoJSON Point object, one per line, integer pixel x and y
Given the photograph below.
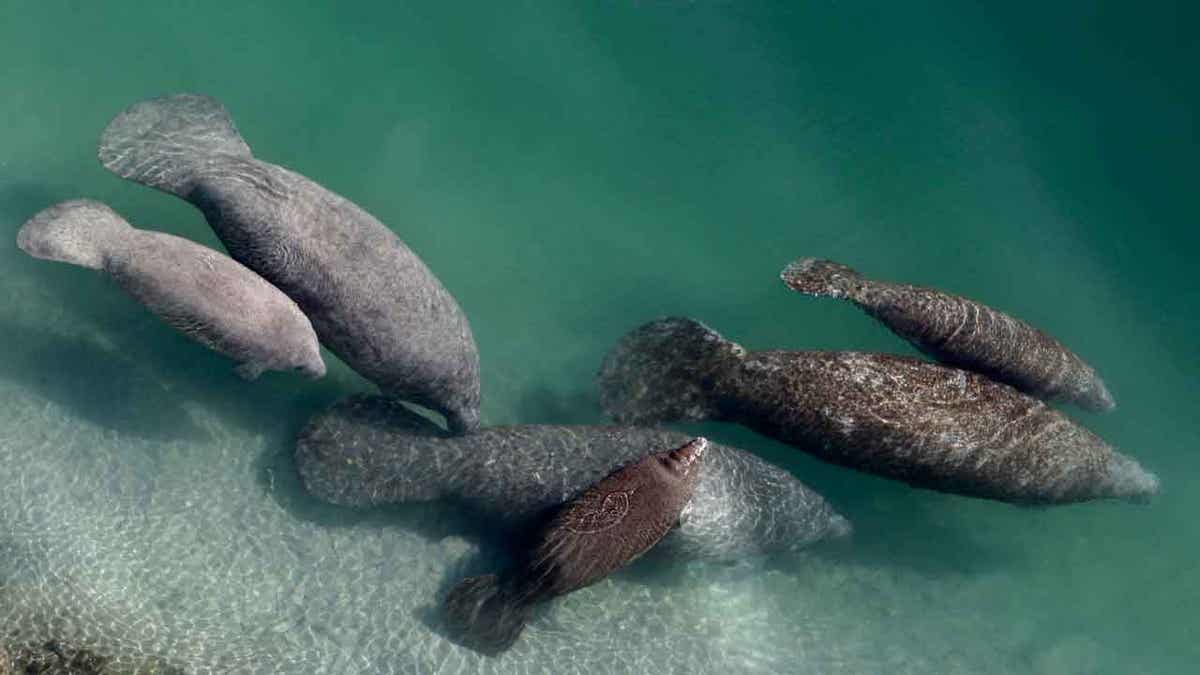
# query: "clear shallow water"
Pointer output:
{"type": "Point", "coordinates": [569, 174]}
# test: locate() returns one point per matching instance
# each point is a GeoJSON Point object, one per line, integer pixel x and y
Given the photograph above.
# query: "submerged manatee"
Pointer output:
{"type": "Point", "coordinates": [607, 527]}
{"type": "Point", "coordinates": [961, 332]}
{"type": "Point", "coordinates": [925, 424]}
{"type": "Point", "coordinates": [370, 451]}
{"type": "Point", "coordinates": [196, 290]}
{"type": "Point", "coordinates": [371, 299]}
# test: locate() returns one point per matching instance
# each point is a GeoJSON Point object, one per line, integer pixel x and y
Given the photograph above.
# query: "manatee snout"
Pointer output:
{"type": "Point", "coordinates": [314, 370]}
{"type": "Point", "coordinates": [688, 454]}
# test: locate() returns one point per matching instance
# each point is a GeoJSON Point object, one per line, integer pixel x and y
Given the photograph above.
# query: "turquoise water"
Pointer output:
{"type": "Point", "coordinates": [569, 171]}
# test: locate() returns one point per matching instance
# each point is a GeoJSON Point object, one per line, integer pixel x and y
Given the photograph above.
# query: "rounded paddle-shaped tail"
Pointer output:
{"type": "Point", "coordinates": [813, 276]}
{"type": "Point", "coordinates": [664, 370]}
{"type": "Point", "coordinates": [77, 232]}
{"type": "Point", "coordinates": [484, 614]}
{"type": "Point", "coordinates": [164, 142]}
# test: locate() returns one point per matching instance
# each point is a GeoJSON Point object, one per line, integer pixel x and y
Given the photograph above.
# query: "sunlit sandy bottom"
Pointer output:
{"type": "Point", "coordinates": [200, 549]}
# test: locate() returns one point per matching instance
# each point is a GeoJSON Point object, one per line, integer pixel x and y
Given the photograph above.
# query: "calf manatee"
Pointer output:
{"type": "Point", "coordinates": [372, 301]}
{"type": "Point", "coordinates": [607, 527]}
{"type": "Point", "coordinates": [371, 451]}
{"type": "Point", "coordinates": [961, 332]}
{"type": "Point", "coordinates": [926, 424]}
{"type": "Point", "coordinates": [194, 289]}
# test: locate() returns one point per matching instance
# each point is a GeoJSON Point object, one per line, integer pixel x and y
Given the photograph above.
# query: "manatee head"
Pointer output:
{"type": "Point", "coordinates": [312, 365]}
{"type": "Point", "coordinates": [683, 462]}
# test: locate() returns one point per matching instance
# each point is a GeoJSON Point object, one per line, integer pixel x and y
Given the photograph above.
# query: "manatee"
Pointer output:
{"type": "Point", "coordinates": [371, 451]}
{"type": "Point", "coordinates": [610, 525]}
{"type": "Point", "coordinates": [194, 289]}
{"type": "Point", "coordinates": [372, 301]}
{"type": "Point", "coordinates": [926, 424]}
{"type": "Point", "coordinates": [961, 332]}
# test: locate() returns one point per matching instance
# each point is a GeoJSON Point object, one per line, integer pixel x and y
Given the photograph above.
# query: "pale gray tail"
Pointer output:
{"type": "Point", "coordinates": [664, 370]}
{"type": "Point", "coordinates": [813, 276]}
{"type": "Point", "coordinates": [164, 141]}
{"type": "Point", "coordinates": [481, 613]}
{"type": "Point", "coordinates": [77, 232]}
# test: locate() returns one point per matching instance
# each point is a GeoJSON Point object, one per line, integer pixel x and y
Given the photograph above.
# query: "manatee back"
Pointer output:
{"type": "Point", "coordinates": [370, 450]}
{"type": "Point", "coordinates": [213, 299]}
{"type": "Point", "coordinates": [744, 506]}
{"type": "Point", "coordinates": [925, 424]}
{"type": "Point", "coordinates": [967, 334]}
{"type": "Point", "coordinates": [610, 525]}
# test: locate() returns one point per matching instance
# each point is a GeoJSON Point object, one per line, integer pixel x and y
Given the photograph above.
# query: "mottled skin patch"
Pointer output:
{"type": "Point", "coordinates": [205, 295]}
{"type": "Point", "coordinates": [607, 515]}
{"type": "Point", "coordinates": [371, 451]}
{"type": "Point", "coordinates": [928, 425]}
{"type": "Point", "coordinates": [961, 332]}
{"type": "Point", "coordinates": [372, 301]}
{"type": "Point", "coordinates": [488, 613]}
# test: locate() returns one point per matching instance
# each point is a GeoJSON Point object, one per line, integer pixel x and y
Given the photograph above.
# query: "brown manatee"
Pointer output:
{"type": "Point", "coordinates": [609, 525]}
{"type": "Point", "coordinates": [929, 425]}
{"type": "Point", "coordinates": [369, 451]}
{"type": "Point", "coordinates": [961, 332]}
{"type": "Point", "coordinates": [202, 293]}
{"type": "Point", "coordinates": [372, 301]}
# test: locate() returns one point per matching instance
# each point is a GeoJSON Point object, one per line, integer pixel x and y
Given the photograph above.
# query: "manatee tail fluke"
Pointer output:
{"type": "Point", "coordinates": [76, 232]}
{"type": "Point", "coordinates": [1128, 480]}
{"type": "Point", "coordinates": [664, 371]}
{"type": "Point", "coordinates": [162, 142]}
{"type": "Point", "coordinates": [813, 276]}
{"type": "Point", "coordinates": [370, 450]}
{"type": "Point", "coordinates": [482, 614]}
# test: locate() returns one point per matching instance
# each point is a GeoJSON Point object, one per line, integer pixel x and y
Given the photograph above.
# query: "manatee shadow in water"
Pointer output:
{"type": "Point", "coordinates": [544, 405]}
{"type": "Point", "coordinates": [487, 561]}
{"type": "Point", "coordinates": [102, 386]}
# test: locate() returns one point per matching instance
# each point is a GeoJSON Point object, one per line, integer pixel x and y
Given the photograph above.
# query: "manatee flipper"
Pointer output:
{"type": "Point", "coordinates": [483, 614]}
{"type": "Point", "coordinates": [164, 141]}
{"type": "Point", "coordinates": [663, 371]}
{"type": "Point", "coordinates": [249, 371]}
{"type": "Point", "coordinates": [75, 232]}
{"type": "Point", "coordinates": [825, 278]}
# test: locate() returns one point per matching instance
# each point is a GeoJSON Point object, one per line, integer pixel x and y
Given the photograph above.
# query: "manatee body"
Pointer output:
{"type": "Point", "coordinates": [961, 332]}
{"type": "Point", "coordinates": [194, 289]}
{"type": "Point", "coordinates": [922, 423]}
{"type": "Point", "coordinates": [371, 451]}
{"type": "Point", "coordinates": [371, 299]}
{"type": "Point", "coordinates": [609, 525]}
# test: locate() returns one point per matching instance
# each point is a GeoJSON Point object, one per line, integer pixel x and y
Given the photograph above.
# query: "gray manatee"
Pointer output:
{"type": "Point", "coordinates": [371, 299]}
{"type": "Point", "coordinates": [608, 526]}
{"type": "Point", "coordinates": [961, 332]}
{"type": "Point", "coordinates": [370, 451]}
{"type": "Point", "coordinates": [194, 289]}
{"type": "Point", "coordinates": [922, 423]}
